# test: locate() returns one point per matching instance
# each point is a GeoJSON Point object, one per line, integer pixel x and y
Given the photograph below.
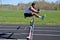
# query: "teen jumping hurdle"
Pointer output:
{"type": "Point", "coordinates": [31, 12]}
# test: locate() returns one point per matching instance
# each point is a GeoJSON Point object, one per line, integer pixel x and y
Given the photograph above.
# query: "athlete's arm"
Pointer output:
{"type": "Point", "coordinates": [33, 9]}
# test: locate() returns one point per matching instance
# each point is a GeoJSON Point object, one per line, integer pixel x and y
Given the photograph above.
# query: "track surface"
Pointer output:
{"type": "Point", "coordinates": [20, 31]}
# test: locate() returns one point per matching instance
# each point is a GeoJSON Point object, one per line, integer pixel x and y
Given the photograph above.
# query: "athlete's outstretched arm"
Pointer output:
{"type": "Point", "coordinates": [34, 10]}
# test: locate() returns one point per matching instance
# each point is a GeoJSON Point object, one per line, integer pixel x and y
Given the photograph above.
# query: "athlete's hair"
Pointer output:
{"type": "Point", "coordinates": [33, 4]}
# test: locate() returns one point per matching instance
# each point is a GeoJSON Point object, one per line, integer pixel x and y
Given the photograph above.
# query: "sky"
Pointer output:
{"type": "Point", "coordinates": [15, 2]}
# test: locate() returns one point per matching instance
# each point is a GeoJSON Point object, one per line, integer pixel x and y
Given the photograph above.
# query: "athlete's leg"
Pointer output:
{"type": "Point", "coordinates": [35, 14]}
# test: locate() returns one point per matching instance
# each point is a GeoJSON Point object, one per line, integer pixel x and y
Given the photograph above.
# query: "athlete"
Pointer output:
{"type": "Point", "coordinates": [32, 11]}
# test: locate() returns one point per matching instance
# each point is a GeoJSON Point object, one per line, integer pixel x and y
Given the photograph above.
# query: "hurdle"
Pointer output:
{"type": "Point", "coordinates": [30, 37]}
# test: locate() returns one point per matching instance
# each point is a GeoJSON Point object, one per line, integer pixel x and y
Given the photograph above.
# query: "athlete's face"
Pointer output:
{"type": "Point", "coordinates": [35, 6]}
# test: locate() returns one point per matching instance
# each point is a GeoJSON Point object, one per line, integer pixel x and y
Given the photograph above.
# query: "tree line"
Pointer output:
{"type": "Point", "coordinates": [40, 4]}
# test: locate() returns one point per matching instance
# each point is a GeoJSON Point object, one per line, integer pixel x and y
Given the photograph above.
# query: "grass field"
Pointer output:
{"type": "Point", "coordinates": [17, 17]}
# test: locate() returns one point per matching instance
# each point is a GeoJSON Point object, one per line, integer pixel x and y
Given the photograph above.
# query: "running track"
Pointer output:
{"type": "Point", "coordinates": [20, 32]}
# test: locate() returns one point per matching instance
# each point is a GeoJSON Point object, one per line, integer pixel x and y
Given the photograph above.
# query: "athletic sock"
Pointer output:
{"type": "Point", "coordinates": [40, 16]}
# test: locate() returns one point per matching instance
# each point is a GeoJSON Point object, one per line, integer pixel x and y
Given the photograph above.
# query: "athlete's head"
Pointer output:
{"type": "Point", "coordinates": [33, 5]}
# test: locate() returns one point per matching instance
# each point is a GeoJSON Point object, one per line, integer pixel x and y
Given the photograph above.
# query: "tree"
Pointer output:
{"type": "Point", "coordinates": [58, 4]}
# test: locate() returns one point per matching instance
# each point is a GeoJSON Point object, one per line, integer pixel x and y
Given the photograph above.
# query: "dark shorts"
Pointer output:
{"type": "Point", "coordinates": [28, 15]}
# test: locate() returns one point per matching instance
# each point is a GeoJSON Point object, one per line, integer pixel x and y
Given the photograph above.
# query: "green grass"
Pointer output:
{"type": "Point", "coordinates": [17, 17]}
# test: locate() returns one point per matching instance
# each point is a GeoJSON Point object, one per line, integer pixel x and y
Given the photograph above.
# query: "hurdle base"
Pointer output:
{"type": "Point", "coordinates": [28, 38]}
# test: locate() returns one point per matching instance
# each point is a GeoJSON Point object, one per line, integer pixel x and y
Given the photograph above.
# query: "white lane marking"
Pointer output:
{"type": "Point", "coordinates": [36, 34]}
{"type": "Point", "coordinates": [49, 30]}
{"type": "Point", "coordinates": [7, 29]}
{"type": "Point", "coordinates": [34, 27]}
{"type": "Point", "coordinates": [27, 30]}
{"type": "Point", "coordinates": [49, 27]}
{"type": "Point", "coordinates": [46, 35]}
{"type": "Point", "coordinates": [21, 39]}
{"type": "Point", "coordinates": [8, 26]}
{"type": "Point", "coordinates": [12, 39]}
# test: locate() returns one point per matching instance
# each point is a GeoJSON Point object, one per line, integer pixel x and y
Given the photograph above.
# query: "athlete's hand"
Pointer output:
{"type": "Point", "coordinates": [38, 10]}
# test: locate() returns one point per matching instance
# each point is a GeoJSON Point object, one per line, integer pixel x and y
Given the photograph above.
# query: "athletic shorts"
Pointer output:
{"type": "Point", "coordinates": [28, 15]}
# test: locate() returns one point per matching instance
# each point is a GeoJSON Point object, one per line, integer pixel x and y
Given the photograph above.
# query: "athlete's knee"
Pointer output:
{"type": "Point", "coordinates": [34, 13]}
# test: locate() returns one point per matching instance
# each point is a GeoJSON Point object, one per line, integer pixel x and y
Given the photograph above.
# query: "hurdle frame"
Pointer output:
{"type": "Point", "coordinates": [30, 37]}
